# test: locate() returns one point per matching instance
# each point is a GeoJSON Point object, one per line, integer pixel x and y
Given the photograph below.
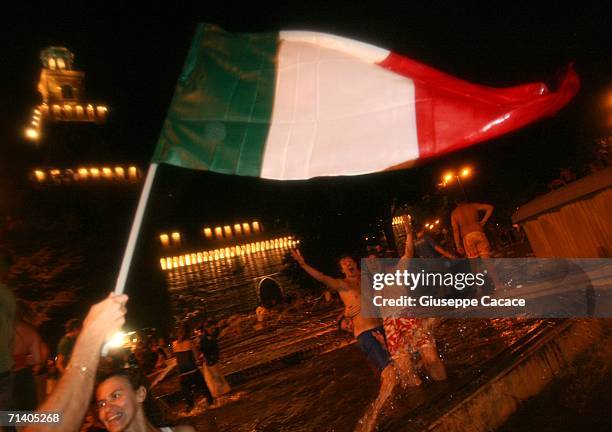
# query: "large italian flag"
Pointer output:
{"type": "Point", "coordinates": [297, 104]}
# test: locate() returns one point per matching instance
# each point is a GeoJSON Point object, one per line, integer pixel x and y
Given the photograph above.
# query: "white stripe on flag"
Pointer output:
{"type": "Point", "coordinates": [335, 114]}
{"type": "Point", "coordinates": [366, 52]}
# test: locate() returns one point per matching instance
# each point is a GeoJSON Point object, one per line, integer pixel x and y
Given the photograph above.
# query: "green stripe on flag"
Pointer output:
{"type": "Point", "coordinates": [220, 113]}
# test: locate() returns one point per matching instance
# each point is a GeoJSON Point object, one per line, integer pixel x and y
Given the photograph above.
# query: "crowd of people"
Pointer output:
{"type": "Point", "coordinates": [391, 342]}
{"type": "Point", "coordinates": [116, 383]}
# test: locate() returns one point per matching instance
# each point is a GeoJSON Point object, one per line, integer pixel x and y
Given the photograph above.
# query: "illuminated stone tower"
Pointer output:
{"type": "Point", "coordinates": [59, 83]}
{"type": "Point", "coordinates": [63, 93]}
{"type": "Point", "coordinates": [65, 126]}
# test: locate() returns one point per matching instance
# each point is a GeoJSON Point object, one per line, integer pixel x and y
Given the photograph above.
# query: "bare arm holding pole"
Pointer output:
{"type": "Point", "coordinates": [73, 392]}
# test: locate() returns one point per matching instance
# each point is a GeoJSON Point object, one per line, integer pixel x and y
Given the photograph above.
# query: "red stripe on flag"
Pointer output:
{"type": "Point", "coordinates": [452, 113]}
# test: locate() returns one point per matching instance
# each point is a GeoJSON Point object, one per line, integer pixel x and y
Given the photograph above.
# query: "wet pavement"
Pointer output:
{"type": "Point", "coordinates": [297, 373]}
{"type": "Point", "coordinates": [329, 392]}
{"type": "Point", "coordinates": [249, 348]}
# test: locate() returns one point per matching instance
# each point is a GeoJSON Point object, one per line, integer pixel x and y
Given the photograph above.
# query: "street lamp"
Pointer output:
{"type": "Point", "coordinates": [464, 173]}
{"type": "Point", "coordinates": [447, 178]}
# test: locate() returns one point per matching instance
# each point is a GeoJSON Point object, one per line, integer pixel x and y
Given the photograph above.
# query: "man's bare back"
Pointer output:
{"type": "Point", "coordinates": [466, 219]}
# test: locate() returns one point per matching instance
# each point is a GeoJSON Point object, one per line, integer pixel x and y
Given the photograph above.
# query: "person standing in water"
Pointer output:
{"type": "Point", "coordinates": [468, 229]}
{"type": "Point", "coordinates": [405, 336]}
{"type": "Point", "coordinates": [367, 330]}
{"type": "Point", "coordinates": [470, 238]}
{"type": "Point", "coordinates": [209, 347]}
{"type": "Point", "coordinates": [192, 381]}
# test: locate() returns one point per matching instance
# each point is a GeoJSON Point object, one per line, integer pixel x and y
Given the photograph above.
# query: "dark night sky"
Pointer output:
{"type": "Point", "coordinates": [133, 57]}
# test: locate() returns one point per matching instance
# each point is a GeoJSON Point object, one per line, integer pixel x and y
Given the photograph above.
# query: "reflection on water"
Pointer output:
{"type": "Point", "coordinates": [327, 393]}
{"type": "Point", "coordinates": [330, 392]}
{"type": "Point", "coordinates": [224, 287]}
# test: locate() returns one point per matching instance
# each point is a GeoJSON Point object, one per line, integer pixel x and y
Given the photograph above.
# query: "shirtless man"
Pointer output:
{"type": "Point", "coordinates": [470, 238]}
{"type": "Point", "coordinates": [468, 231]}
{"type": "Point", "coordinates": [405, 336]}
{"type": "Point", "coordinates": [367, 330]}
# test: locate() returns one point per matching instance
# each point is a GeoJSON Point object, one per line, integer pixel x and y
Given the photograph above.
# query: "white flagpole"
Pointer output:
{"type": "Point", "coordinates": [131, 244]}
{"type": "Point", "coordinates": [136, 224]}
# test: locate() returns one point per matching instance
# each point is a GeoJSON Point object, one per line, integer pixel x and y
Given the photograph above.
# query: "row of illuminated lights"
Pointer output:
{"type": "Point", "coordinates": [131, 173]}
{"type": "Point", "coordinates": [220, 233]}
{"type": "Point", "coordinates": [397, 220]}
{"type": "Point", "coordinates": [32, 132]}
{"type": "Point", "coordinates": [429, 225]}
{"type": "Point", "coordinates": [169, 263]}
{"type": "Point", "coordinates": [65, 112]}
{"type": "Point", "coordinates": [432, 225]}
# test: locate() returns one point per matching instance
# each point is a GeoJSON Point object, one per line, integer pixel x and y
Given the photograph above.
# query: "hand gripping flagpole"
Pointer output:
{"type": "Point", "coordinates": [133, 238]}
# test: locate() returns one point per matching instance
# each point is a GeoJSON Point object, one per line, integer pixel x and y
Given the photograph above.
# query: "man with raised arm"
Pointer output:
{"type": "Point", "coordinates": [72, 394]}
{"type": "Point", "coordinates": [367, 330]}
{"type": "Point", "coordinates": [405, 336]}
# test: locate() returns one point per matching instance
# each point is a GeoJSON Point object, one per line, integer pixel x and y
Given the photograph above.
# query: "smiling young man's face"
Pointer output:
{"type": "Point", "coordinates": [118, 402]}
